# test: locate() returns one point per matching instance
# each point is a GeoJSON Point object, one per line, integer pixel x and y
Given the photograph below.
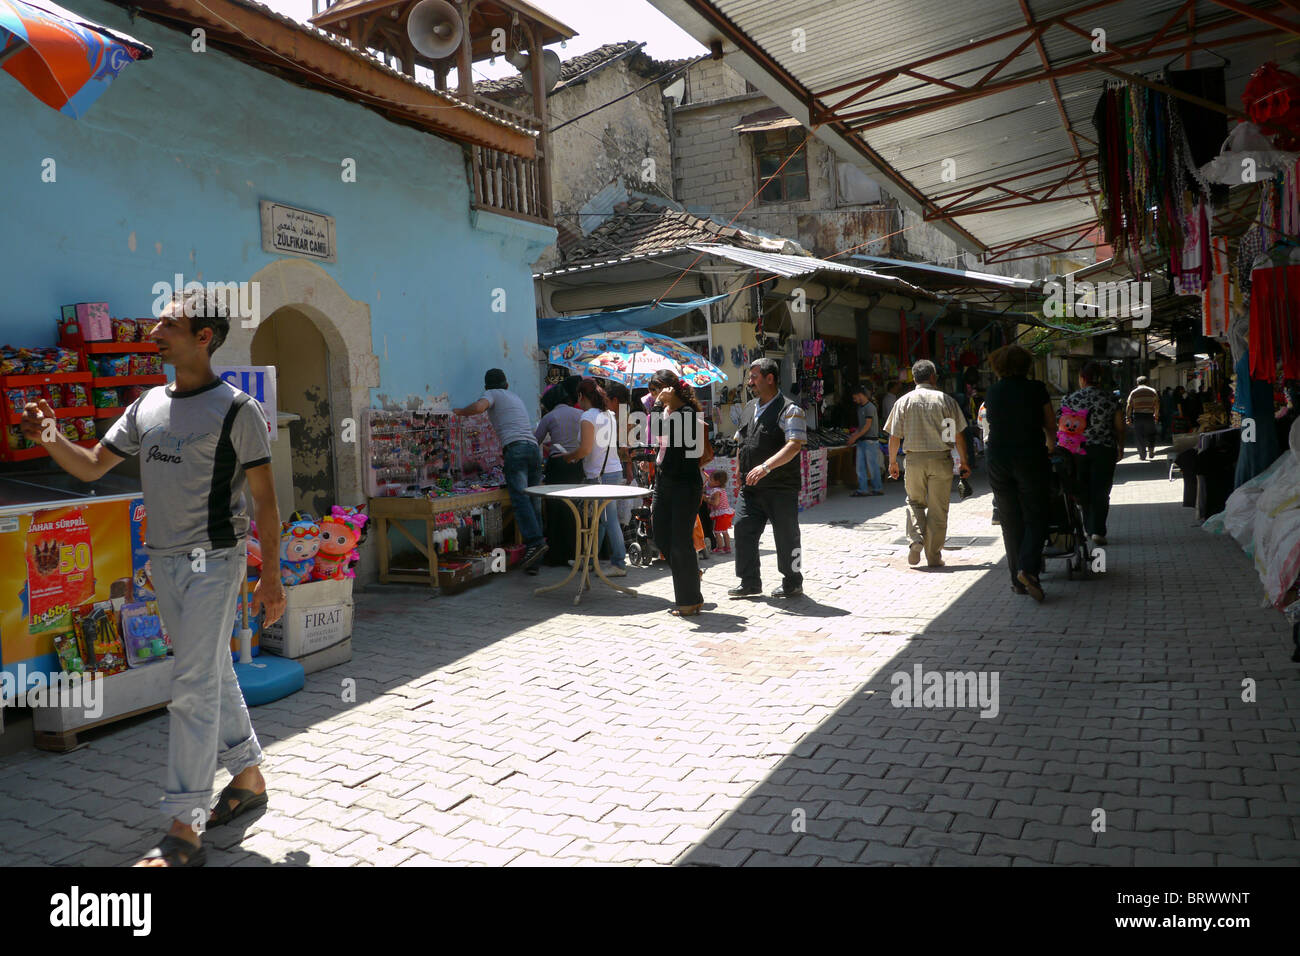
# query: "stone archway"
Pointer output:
{"type": "Point", "coordinates": [344, 323]}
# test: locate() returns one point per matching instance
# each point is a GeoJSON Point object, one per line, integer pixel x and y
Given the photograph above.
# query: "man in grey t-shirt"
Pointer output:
{"type": "Point", "coordinates": [866, 438]}
{"type": "Point", "coordinates": [522, 456]}
{"type": "Point", "coordinates": [199, 441]}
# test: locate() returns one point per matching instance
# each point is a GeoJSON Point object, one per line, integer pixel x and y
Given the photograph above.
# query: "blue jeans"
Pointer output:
{"type": "Point", "coordinates": [610, 530]}
{"type": "Point", "coordinates": [523, 468]}
{"type": "Point", "coordinates": [209, 720]}
{"type": "Point", "coordinates": [869, 465]}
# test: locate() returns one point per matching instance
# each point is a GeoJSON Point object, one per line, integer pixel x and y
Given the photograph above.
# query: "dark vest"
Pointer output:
{"type": "Point", "coordinates": [761, 440]}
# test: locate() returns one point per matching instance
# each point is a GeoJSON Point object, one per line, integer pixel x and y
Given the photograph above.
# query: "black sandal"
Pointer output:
{"type": "Point", "coordinates": [246, 802]}
{"type": "Point", "coordinates": [177, 852]}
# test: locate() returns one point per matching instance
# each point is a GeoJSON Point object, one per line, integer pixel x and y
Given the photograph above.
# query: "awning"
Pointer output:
{"type": "Point", "coordinates": [791, 266]}
{"type": "Point", "coordinates": [766, 121]}
{"type": "Point", "coordinates": [64, 59]}
{"type": "Point", "coordinates": [557, 329]}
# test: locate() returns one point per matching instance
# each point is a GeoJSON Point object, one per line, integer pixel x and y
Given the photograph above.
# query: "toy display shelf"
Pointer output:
{"type": "Point", "coordinates": [27, 454]}
{"type": "Point", "coordinates": [79, 411]}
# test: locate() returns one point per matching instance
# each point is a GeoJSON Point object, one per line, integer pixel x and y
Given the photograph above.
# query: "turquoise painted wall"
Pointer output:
{"type": "Point", "coordinates": [165, 173]}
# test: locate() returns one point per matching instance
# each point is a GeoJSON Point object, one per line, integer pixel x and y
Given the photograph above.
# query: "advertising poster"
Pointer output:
{"type": "Point", "coordinates": [60, 573]}
{"type": "Point", "coordinates": [109, 552]}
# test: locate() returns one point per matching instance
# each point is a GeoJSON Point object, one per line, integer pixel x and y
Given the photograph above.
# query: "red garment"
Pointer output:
{"type": "Point", "coordinates": [1275, 322]}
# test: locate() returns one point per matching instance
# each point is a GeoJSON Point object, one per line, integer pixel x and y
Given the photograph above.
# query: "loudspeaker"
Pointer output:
{"type": "Point", "coordinates": [435, 29]}
{"type": "Point", "coordinates": [524, 64]}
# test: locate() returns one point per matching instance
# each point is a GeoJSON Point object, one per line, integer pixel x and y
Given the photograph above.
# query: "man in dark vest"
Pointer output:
{"type": "Point", "coordinates": [772, 431]}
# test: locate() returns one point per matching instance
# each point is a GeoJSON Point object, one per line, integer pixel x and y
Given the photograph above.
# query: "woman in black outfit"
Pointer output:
{"type": "Point", "coordinates": [1022, 431]}
{"type": "Point", "coordinates": [678, 487]}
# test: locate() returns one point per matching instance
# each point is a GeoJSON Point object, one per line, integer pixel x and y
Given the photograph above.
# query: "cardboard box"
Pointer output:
{"type": "Point", "coordinates": [340, 653]}
{"type": "Point", "coordinates": [317, 615]}
{"type": "Point", "coordinates": [94, 321]}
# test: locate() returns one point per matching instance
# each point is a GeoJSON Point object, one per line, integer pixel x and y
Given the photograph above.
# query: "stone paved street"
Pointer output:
{"type": "Point", "coordinates": [498, 728]}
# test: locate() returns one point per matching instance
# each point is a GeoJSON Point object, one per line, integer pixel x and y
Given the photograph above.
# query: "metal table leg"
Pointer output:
{"type": "Point", "coordinates": [588, 550]}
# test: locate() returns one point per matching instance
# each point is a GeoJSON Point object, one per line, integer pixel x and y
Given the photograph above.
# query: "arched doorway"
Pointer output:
{"type": "Point", "coordinates": [290, 341]}
{"type": "Point", "coordinates": [304, 290]}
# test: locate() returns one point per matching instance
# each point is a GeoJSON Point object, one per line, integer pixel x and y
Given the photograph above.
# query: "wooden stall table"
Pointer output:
{"type": "Point", "coordinates": [586, 502]}
{"type": "Point", "coordinates": [386, 511]}
{"type": "Point", "coordinates": [842, 465]}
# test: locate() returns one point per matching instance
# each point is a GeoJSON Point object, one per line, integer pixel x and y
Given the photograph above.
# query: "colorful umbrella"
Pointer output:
{"type": "Point", "coordinates": [632, 357]}
{"type": "Point", "coordinates": [64, 60]}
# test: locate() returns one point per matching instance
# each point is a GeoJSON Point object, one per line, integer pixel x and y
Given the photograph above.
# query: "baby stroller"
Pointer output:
{"type": "Point", "coordinates": [639, 537]}
{"type": "Point", "coordinates": [1066, 536]}
{"type": "Point", "coordinates": [639, 533]}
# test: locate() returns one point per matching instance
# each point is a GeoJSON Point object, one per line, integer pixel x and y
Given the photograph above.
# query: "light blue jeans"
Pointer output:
{"type": "Point", "coordinates": [869, 464]}
{"type": "Point", "coordinates": [609, 526]}
{"type": "Point", "coordinates": [209, 719]}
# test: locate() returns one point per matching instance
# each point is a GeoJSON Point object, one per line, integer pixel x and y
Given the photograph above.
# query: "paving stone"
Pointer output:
{"type": "Point", "coordinates": [604, 735]}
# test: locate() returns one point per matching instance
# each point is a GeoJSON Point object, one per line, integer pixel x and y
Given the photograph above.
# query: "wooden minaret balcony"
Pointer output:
{"type": "Point", "coordinates": [505, 183]}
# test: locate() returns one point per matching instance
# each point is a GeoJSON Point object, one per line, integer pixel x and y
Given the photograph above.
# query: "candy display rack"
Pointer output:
{"type": "Point", "coordinates": [12, 418]}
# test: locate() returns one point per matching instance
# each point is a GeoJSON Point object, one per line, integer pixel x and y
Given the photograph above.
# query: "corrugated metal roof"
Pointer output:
{"type": "Point", "coordinates": [791, 266]}
{"type": "Point", "coordinates": [820, 45]}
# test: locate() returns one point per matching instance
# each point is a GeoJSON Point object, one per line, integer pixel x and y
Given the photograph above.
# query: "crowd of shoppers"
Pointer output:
{"type": "Point", "coordinates": [932, 438]}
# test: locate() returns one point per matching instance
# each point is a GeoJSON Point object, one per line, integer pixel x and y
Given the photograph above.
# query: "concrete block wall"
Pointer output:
{"type": "Point", "coordinates": [711, 80]}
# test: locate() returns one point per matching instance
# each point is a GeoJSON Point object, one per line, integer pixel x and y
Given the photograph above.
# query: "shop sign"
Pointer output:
{"type": "Point", "coordinates": [289, 231]}
{"type": "Point", "coordinates": [258, 381]}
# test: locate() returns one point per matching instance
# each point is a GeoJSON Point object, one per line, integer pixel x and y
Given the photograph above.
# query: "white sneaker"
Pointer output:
{"type": "Point", "coordinates": [614, 571]}
{"type": "Point", "coordinates": [1098, 539]}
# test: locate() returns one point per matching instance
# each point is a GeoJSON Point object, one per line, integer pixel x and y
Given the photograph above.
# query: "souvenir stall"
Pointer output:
{"type": "Point", "coordinates": [430, 468]}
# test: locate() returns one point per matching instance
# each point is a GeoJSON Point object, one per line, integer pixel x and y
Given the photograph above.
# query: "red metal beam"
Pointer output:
{"type": "Point", "coordinates": [964, 48]}
{"type": "Point", "coordinates": [1076, 174]}
{"type": "Point", "coordinates": [976, 211]}
{"type": "Point", "coordinates": [1262, 16]}
{"type": "Point", "coordinates": [913, 108]}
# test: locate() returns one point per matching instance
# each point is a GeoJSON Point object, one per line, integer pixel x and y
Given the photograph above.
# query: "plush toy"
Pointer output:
{"type": "Point", "coordinates": [340, 533]}
{"type": "Point", "coordinates": [358, 520]}
{"type": "Point", "coordinates": [299, 543]}
{"type": "Point", "coordinates": [1070, 427]}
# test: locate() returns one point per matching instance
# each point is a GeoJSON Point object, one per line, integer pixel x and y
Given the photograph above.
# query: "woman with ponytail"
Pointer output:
{"type": "Point", "coordinates": [678, 486]}
{"type": "Point", "coordinates": [598, 451]}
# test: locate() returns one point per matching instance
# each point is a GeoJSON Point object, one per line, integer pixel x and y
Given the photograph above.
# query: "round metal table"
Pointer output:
{"type": "Point", "coordinates": [586, 502]}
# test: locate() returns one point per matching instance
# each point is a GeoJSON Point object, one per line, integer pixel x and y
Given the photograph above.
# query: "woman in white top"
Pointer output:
{"type": "Point", "coordinates": [598, 451]}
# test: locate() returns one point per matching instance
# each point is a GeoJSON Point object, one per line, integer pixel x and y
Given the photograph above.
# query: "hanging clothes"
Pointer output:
{"type": "Point", "coordinates": [1216, 300]}
{"type": "Point", "coordinates": [1274, 308]}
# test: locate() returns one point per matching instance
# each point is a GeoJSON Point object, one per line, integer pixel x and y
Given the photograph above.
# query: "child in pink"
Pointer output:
{"type": "Point", "coordinates": [720, 509]}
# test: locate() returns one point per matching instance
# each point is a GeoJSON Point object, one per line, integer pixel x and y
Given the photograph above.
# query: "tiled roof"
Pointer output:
{"type": "Point", "coordinates": [640, 227]}
{"type": "Point", "coordinates": [570, 70]}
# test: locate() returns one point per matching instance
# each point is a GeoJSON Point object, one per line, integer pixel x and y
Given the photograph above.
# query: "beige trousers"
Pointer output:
{"type": "Point", "coordinates": [928, 481]}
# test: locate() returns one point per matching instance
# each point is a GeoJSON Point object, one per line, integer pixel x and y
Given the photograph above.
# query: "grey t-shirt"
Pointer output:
{"type": "Point", "coordinates": [193, 448]}
{"type": "Point", "coordinates": [509, 417]}
{"type": "Point", "coordinates": [869, 411]}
